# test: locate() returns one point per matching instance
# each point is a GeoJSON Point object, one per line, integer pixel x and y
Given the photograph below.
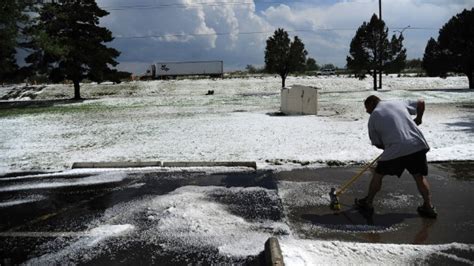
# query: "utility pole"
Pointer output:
{"type": "Point", "coordinates": [380, 9]}
{"type": "Point", "coordinates": [380, 47]}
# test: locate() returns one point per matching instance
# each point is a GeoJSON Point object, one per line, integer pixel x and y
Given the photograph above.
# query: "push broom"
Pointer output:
{"type": "Point", "coordinates": [333, 195]}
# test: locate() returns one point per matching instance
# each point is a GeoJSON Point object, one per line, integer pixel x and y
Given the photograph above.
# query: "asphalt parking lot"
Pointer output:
{"type": "Point", "coordinates": [395, 219]}
{"type": "Point", "coordinates": [57, 218]}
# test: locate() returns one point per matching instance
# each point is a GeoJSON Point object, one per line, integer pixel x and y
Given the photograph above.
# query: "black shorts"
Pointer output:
{"type": "Point", "coordinates": [415, 163]}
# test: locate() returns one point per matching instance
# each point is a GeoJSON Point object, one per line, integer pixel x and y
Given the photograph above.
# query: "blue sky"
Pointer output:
{"type": "Point", "coordinates": [235, 31]}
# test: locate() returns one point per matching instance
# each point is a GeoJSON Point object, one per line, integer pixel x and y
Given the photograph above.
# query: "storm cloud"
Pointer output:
{"type": "Point", "coordinates": [235, 31]}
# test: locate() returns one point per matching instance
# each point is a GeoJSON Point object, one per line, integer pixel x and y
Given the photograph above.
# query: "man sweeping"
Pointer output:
{"type": "Point", "coordinates": [392, 128]}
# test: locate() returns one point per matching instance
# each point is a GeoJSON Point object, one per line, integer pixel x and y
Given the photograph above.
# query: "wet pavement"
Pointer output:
{"type": "Point", "coordinates": [395, 219]}
{"type": "Point", "coordinates": [56, 221]}
{"type": "Point", "coordinates": [53, 218]}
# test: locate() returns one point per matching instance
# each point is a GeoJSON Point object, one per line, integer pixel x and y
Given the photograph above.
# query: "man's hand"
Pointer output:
{"type": "Point", "coordinates": [420, 109]}
{"type": "Point", "coordinates": [417, 121]}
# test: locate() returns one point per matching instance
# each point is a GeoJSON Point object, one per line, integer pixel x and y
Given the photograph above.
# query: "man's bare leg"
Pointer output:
{"type": "Point", "coordinates": [374, 187]}
{"type": "Point", "coordinates": [424, 189]}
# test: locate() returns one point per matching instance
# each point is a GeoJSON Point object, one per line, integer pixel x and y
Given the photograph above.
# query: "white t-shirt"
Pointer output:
{"type": "Point", "coordinates": [391, 127]}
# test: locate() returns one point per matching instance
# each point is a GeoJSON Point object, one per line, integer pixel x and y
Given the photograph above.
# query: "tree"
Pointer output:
{"type": "Point", "coordinates": [117, 76]}
{"type": "Point", "coordinates": [328, 66]}
{"type": "Point", "coordinates": [397, 56]}
{"type": "Point", "coordinates": [371, 51]}
{"type": "Point", "coordinates": [311, 64]}
{"type": "Point", "coordinates": [13, 19]}
{"type": "Point", "coordinates": [251, 69]}
{"type": "Point", "coordinates": [415, 63]}
{"type": "Point", "coordinates": [283, 56]}
{"type": "Point", "coordinates": [454, 50]}
{"type": "Point", "coordinates": [69, 44]}
{"type": "Point", "coordinates": [432, 60]}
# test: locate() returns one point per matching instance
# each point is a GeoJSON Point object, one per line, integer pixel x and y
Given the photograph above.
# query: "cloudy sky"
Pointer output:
{"type": "Point", "coordinates": [235, 31]}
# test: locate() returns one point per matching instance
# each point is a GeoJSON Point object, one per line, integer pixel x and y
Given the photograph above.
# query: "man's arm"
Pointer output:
{"type": "Point", "coordinates": [420, 109]}
{"type": "Point", "coordinates": [374, 136]}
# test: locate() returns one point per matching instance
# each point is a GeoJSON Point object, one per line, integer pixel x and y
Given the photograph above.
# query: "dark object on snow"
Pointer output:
{"type": "Point", "coordinates": [210, 92]}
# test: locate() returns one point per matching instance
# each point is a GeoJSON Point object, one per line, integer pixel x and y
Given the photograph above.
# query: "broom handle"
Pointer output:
{"type": "Point", "coordinates": [354, 178]}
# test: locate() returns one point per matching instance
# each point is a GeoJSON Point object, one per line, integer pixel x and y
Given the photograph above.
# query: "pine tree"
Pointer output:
{"type": "Point", "coordinates": [359, 60]}
{"type": "Point", "coordinates": [371, 52]}
{"type": "Point", "coordinates": [396, 55]}
{"type": "Point", "coordinates": [283, 56]}
{"type": "Point", "coordinates": [433, 60]}
{"type": "Point", "coordinates": [13, 19]}
{"type": "Point", "coordinates": [297, 56]}
{"type": "Point", "coordinates": [456, 42]}
{"type": "Point", "coordinates": [70, 44]}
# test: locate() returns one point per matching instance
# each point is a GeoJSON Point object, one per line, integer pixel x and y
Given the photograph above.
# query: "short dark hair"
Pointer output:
{"type": "Point", "coordinates": [372, 100]}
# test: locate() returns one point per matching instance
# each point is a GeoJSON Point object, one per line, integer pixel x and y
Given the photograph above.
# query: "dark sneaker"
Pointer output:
{"type": "Point", "coordinates": [427, 212]}
{"type": "Point", "coordinates": [363, 205]}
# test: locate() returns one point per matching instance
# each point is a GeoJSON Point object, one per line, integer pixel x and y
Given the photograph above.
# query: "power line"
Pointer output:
{"type": "Point", "coordinates": [212, 34]}
{"type": "Point", "coordinates": [256, 32]}
{"type": "Point", "coordinates": [130, 7]}
{"type": "Point", "coordinates": [197, 4]}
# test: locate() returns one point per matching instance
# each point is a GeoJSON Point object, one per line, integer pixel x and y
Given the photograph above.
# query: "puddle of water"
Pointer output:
{"type": "Point", "coordinates": [304, 196]}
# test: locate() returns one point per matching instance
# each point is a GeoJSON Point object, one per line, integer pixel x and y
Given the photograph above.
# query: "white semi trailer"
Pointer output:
{"type": "Point", "coordinates": [164, 70]}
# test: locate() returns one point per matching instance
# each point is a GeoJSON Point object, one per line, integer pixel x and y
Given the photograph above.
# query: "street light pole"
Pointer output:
{"type": "Point", "coordinates": [380, 47]}
{"type": "Point", "coordinates": [401, 31]}
{"type": "Point", "coordinates": [380, 9]}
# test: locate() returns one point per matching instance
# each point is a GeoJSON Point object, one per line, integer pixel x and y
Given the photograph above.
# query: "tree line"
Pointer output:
{"type": "Point", "coordinates": [371, 52]}
{"type": "Point", "coordinates": [63, 41]}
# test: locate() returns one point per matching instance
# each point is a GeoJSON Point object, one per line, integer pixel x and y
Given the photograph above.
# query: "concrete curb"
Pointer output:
{"type": "Point", "coordinates": [115, 164]}
{"type": "Point", "coordinates": [210, 164]}
{"type": "Point", "coordinates": [273, 256]}
{"type": "Point", "coordinates": [162, 164]}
